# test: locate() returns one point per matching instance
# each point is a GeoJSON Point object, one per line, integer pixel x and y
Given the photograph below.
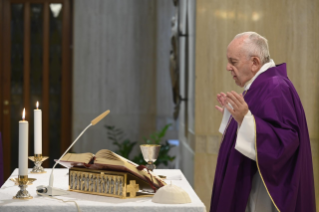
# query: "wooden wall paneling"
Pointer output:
{"type": "Point", "coordinates": [35, 1]}
{"type": "Point", "coordinates": [66, 97]}
{"type": "Point", "coordinates": [1, 64]}
{"type": "Point", "coordinates": [45, 82]}
{"type": "Point", "coordinates": [5, 74]}
{"type": "Point", "coordinates": [26, 63]}
{"type": "Point", "coordinates": [6, 77]}
{"type": "Point", "coordinates": [70, 70]}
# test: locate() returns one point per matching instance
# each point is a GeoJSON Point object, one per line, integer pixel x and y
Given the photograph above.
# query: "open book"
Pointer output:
{"type": "Point", "coordinates": [108, 160]}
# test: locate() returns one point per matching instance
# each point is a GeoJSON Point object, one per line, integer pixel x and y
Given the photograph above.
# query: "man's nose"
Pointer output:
{"type": "Point", "coordinates": [228, 67]}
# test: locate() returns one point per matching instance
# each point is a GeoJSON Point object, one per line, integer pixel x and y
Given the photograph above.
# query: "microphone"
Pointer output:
{"type": "Point", "coordinates": [50, 190]}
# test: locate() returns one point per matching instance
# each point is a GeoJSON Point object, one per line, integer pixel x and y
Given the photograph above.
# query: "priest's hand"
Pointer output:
{"type": "Point", "coordinates": [240, 107]}
{"type": "Point", "coordinates": [221, 98]}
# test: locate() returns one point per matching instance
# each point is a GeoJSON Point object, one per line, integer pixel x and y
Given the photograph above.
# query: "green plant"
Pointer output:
{"type": "Point", "coordinates": [163, 156]}
{"type": "Point", "coordinates": [125, 146]}
{"type": "Point", "coordinates": [156, 137]}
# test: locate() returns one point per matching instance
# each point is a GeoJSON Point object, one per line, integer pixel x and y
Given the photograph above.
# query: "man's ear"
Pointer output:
{"type": "Point", "coordinates": [256, 64]}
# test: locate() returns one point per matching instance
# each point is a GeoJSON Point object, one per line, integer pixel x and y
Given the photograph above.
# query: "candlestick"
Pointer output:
{"type": "Point", "coordinates": [23, 146]}
{"type": "Point", "coordinates": [23, 182]}
{"type": "Point", "coordinates": [16, 181]}
{"type": "Point", "coordinates": [38, 160]}
{"type": "Point", "coordinates": [50, 190]}
{"type": "Point", "coordinates": [37, 131]}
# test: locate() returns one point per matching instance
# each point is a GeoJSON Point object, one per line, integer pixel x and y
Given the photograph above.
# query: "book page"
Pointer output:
{"type": "Point", "coordinates": [108, 157]}
{"type": "Point", "coordinates": [78, 157]}
{"type": "Point", "coordinates": [112, 161]}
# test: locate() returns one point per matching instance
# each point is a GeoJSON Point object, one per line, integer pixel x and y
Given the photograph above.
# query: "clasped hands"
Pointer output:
{"type": "Point", "coordinates": [239, 107]}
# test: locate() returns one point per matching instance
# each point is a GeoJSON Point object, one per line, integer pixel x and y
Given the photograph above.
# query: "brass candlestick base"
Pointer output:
{"type": "Point", "coordinates": [23, 181]}
{"type": "Point", "coordinates": [16, 181]}
{"type": "Point", "coordinates": [38, 160]}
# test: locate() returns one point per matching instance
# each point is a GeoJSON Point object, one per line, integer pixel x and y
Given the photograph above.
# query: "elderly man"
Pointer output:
{"type": "Point", "coordinates": [264, 162]}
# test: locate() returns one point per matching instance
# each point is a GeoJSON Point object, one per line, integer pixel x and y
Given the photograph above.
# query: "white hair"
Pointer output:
{"type": "Point", "coordinates": [255, 45]}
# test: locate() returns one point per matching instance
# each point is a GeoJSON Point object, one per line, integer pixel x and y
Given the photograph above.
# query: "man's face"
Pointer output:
{"type": "Point", "coordinates": [238, 64]}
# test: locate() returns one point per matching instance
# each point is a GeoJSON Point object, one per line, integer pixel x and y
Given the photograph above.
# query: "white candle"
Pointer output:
{"type": "Point", "coordinates": [23, 145]}
{"type": "Point", "coordinates": [37, 130]}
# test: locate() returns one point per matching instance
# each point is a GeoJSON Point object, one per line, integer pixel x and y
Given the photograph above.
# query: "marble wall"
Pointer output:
{"type": "Point", "coordinates": [292, 30]}
{"type": "Point", "coordinates": [164, 98]}
{"type": "Point", "coordinates": [187, 15]}
{"type": "Point", "coordinates": [121, 52]}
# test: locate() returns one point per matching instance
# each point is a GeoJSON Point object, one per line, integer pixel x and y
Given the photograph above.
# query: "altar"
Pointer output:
{"type": "Point", "coordinates": [88, 202]}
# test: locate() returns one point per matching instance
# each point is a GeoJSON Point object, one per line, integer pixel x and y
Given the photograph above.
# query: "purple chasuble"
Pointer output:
{"type": "Point", "coordinates": [283, 150]}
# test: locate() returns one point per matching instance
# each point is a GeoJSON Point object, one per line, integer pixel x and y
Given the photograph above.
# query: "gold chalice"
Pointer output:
{"type": "Point", "coordinates": [150, 154]}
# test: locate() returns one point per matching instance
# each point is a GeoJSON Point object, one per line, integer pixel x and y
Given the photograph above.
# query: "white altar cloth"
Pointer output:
{"type": "Point", "coordinates": [92, 203]}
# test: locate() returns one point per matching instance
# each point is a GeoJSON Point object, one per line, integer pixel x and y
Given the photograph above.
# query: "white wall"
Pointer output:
{"type": "Point", "coordinates": [121, 63]}
{"type": "Point", "coordinates": [165, 105]}
{"type": "Point", "coordinates": [187, 81]}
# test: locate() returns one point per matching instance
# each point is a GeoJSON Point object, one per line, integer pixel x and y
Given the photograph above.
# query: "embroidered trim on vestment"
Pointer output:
{"type": "Point", "coordinates": [259, 168]}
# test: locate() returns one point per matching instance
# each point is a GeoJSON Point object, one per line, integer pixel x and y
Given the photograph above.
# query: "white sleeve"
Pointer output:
{"type": "Point", "coordinates": [225, 120]}
{"type": "Point", "coordinates": [245, 142]}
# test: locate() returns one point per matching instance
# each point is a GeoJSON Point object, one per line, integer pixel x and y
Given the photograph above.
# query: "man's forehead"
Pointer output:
{"type": "Point", "coordinates": [232, 53]}
{"type": "Point", "coordinates": [234, 48]}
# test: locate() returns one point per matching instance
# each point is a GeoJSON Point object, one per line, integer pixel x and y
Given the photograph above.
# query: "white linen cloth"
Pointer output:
{"type": "Point", "coordinates": [258, 201]}
{"type": "Point", "coordinates": [88, 202]}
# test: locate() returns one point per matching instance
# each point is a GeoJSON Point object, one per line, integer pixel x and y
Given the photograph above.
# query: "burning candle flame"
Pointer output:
{"type": "Point", "coordinates": [23, 114]}
{"type": "Point", "coordinates": [37, 105]}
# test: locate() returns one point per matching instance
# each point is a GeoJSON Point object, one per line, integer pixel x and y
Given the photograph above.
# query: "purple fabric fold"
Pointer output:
{"type": "Point", "coordinates": [283, 150]}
